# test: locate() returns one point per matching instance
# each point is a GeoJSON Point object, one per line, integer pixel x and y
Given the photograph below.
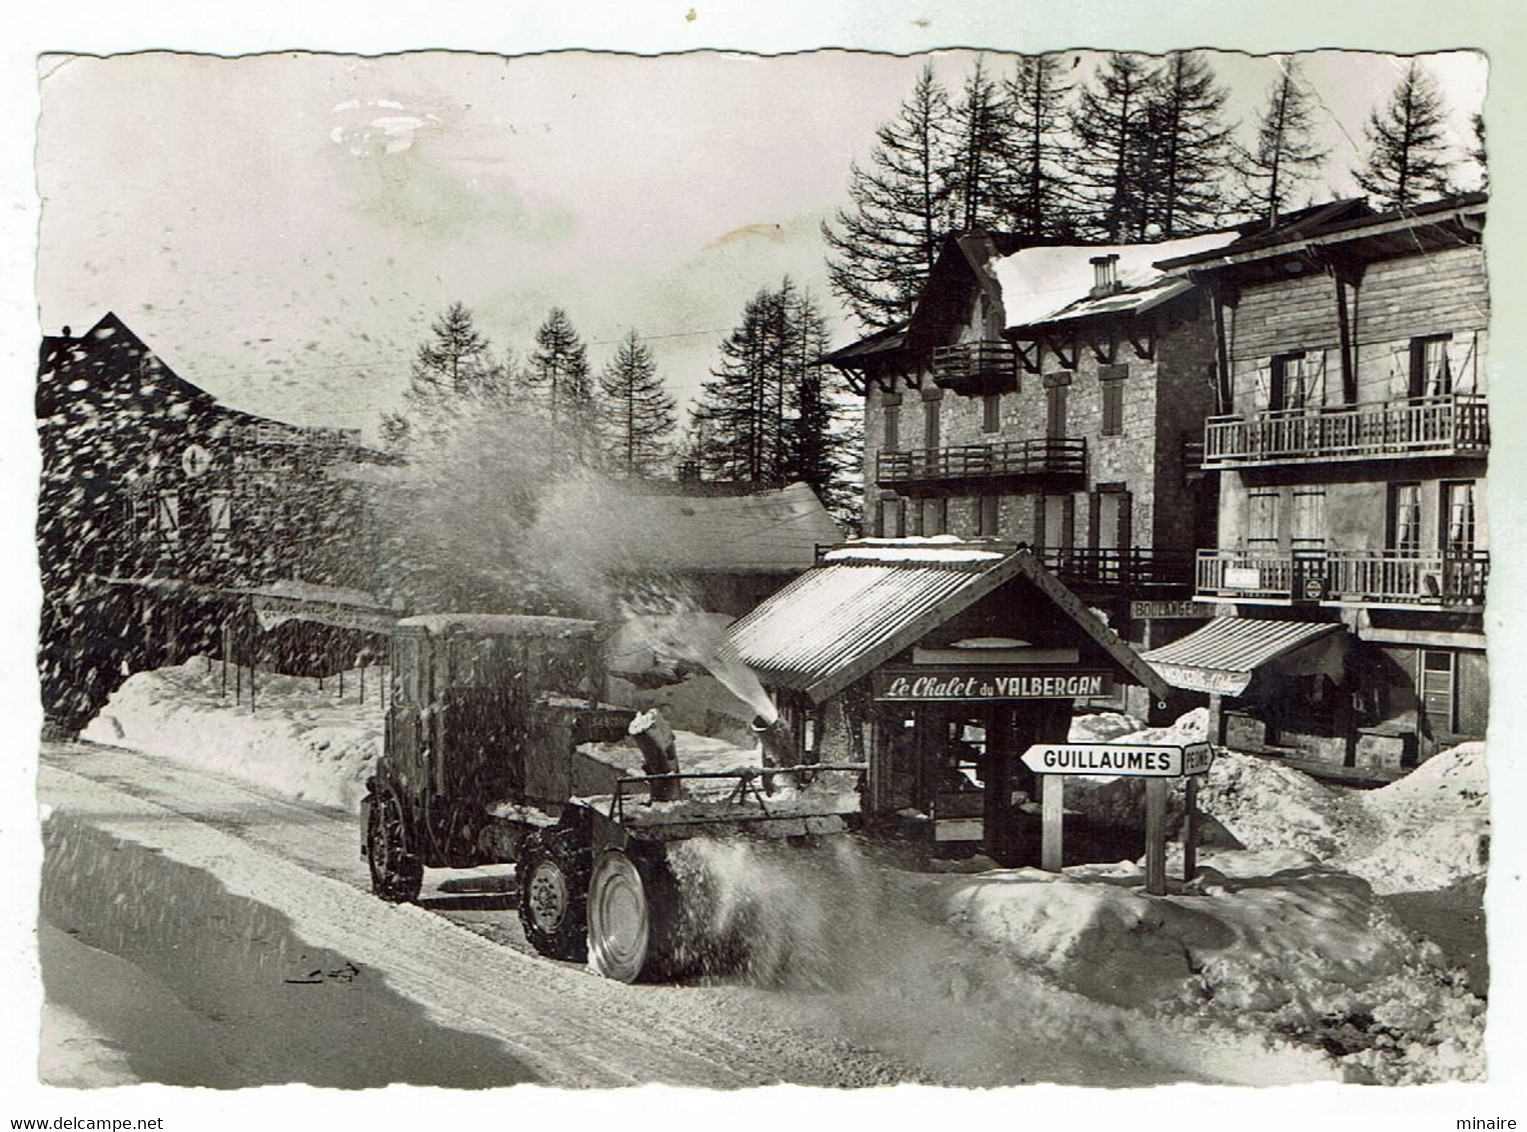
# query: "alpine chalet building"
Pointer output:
{"type": "Point", "coordinates": [1351, 555]}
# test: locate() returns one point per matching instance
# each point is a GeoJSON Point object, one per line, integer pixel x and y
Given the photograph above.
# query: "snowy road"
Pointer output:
{"type": "Point", "coordinates": [222, 934]}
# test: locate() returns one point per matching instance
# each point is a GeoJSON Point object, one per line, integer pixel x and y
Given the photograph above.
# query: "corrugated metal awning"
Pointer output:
{"type": "Point", "coordinates": [1225, 654]}
{"type": "Point", "coordinates": [839, 619]}
{"type": "Point", "coordinates": [868, 600]}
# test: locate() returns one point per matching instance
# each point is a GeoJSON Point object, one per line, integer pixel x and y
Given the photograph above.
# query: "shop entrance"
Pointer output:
{"type": "Point", "coordinates": [955, 769]}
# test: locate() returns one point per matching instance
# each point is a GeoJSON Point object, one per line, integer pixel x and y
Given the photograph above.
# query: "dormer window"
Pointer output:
{"type": "Point", "coordinates": [1105, 275]}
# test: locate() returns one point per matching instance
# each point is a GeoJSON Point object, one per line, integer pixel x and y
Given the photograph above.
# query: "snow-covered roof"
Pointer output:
{"type": "Point", "coordinates": [866, 601]}
{"type": "Point", "coordinates": [1046, 284]}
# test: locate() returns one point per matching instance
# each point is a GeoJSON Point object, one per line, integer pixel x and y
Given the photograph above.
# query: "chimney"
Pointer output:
{"type": "Point", "coordinates": [1105, 275]}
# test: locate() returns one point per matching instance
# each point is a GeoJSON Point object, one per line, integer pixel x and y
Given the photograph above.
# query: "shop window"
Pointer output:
{"type": "Point", "coordinates": [1309, 518]}
{"type": "Point", "coordinates": [991, 412]}
{"type": "Point", "coordinates": [1439, 690]}
{"type": "Point", "coordinates": [915, 518]}
{"type": "Point", "coordinates": [1431, 374]}
{"type": "Point", "coordinates": [1458, 517]}
{"type": "Point", "coordinates": [1262, 520]}
{"type": "Point", "coordinates": [1295, 382]}
{"type": "Point", "coordinates": [1306, 705]}
{"type": "Point", "coordinates": [1405, 517]}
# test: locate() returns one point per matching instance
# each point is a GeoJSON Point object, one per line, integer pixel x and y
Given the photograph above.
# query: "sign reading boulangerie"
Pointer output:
{"type": "Point", "coordinates": [925, 684]}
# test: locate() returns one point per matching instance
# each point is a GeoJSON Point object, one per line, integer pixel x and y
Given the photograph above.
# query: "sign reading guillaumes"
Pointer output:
{"type": "Point", "coordinates": [1017, 683]}
{"type": "Point", "coordinates": [1137, 760]}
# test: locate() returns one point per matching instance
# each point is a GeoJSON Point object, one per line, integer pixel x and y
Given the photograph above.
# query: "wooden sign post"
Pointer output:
{"type": "Point", "coordinates": [1155, 762]}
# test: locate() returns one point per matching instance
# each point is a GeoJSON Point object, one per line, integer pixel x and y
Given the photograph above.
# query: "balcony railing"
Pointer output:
{"type": "Point", "coordinates": [1446, 425]}
{"type": "Point", "coordinates": [1131, 568]}
{"type": "Point", "coordinates": [976, 367]}
{"type": "Point", "coordinates": [1040, 456]}
{"type": "Point", "coordinates": [1440, 579]}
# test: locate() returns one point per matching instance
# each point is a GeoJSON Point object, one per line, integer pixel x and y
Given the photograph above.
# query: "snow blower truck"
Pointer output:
{"type": "Point", "coordinates": [498, 750]}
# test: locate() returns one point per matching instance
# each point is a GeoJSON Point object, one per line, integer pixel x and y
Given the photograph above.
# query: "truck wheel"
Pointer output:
{"type": "Point", "coordinates": [395, 876]}
{"type": "Point", "coordinates": [553, 874]}
{"type": "Point", "coordinates": [620, 919]}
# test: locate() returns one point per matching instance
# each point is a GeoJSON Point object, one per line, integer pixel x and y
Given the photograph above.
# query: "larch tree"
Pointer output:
{"type": "Point", "coordinates": [452, 369]}
{"type": "Point", "coordinates": [981, 126]}
{"type": "Point", "coordinates": [1478, 153]}
{"type": "Point", "coordinates": [637, 415]}
{"type": "Point", "coordinates": [1108, 165]}
{"type": "Point", "coordinates": [1407, 159]}
{"type": "Point", "coordinates": [557, 375]}
{"type": "Point", "coordinates": [1036, 196]}
{"type": "Point", "coordinates": [1285, 155]}
{"type": "Point", "coordinates": [882, 247]}
{"type": "Point", "coordinates": [766, 415]}
{"type": "Point", "coordinates": [1183, 149]}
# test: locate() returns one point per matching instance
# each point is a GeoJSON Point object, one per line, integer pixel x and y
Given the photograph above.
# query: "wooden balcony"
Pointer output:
{"type": "Point", "coordinates": [976, 368]}
{"type": "Point", "coordinates": [1454, 424]}
{"type": "Point", "coordinates": [1003, 460]}
{"type": "Point", "coordinates": [1130, 569]}
{"type": "Point", "coordinates": [1402, 579]}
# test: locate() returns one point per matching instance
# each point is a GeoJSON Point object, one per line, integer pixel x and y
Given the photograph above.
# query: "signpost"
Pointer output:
{"type": "Point", "coordinates": [1157, 763]}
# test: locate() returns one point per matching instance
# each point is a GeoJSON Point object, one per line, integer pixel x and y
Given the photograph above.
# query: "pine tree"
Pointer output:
{"type": "Point", "coordinates": [1035, 196]}
{"type": "Point", "coordinates": [982, 133]}
{"type": "Point", "coordinates": [1285, 154]}
{"type": "Point", "coordinates": [883, 246]}
{"type": "Point", "coordinates": [1407, 154]}
{"type": "Point", "coordinates": [1183, 149]}
{"type": "Point", "coordinates": [638, 413]}
{"type": "Point", "coordinates": [1108, 163]}
{"type": "Point", "coordinates": [451, 364]}
{"type": "Point", "coordinates": [1478, 153]}
{"type": "Point", "coordinates": [767, 415]}
{"type": "Point", "coordinates": [557, 375]}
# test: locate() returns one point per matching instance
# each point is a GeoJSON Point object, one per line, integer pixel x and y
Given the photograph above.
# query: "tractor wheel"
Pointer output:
{"type": "Point", "coordinates": [395, 875]}
{"type": "Point", "coordinates": [553, 874]}
{"type": "Point", "coordinates": [621, 928]}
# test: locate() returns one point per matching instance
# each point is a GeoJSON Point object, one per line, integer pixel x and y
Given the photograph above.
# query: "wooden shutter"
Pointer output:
{"type": "Point", "coordinates": [169, 516]}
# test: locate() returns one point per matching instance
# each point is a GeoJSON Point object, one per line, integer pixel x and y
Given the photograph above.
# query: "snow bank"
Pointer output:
{"type": "Point", "coordinates": [1424, 832]}
{"type": "Point", "coordinates": [1432, 827]}
{"type": "Point", "coordinates": [1260, 942]}
{"type": "Point", "coordinates": [298, 740]}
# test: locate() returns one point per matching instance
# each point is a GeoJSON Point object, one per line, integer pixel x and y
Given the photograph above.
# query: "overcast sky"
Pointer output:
{"type": "Point", "coordinates": [282, 229]}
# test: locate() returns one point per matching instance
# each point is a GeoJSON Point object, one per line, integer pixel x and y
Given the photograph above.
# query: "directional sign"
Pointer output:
{"type": "Point", "coordinates": [1135, 760]}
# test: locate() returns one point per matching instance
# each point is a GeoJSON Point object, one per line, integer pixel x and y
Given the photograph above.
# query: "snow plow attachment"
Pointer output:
{"type": "Point", "coordinates": [776, 802]}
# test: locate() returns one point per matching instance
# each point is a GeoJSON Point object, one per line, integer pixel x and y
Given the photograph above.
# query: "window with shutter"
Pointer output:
{"type": "Point", "coordinates": [1458, 517]}
{"type": "Point", "coordinates": [991, 412]}
{"type": "Point", "coordinates": [1113, 408]}
{"type": "Point", "coordinates": [1431, 371]}
{"type": "Point", "coordinates": [220, 508]}
{"type": "Point", "coordinates": [1405, 517]}
{"type": "Point", "coordinates": [1309, 517]}
{"type": "Point", "coordinates": [1262, 525]}
{"type": "Point", "coordinates": [892, 427]}
{"type": "Point", "coordinates": [169, 517]}
{"type": "Point", "coordinates": [930, 424]}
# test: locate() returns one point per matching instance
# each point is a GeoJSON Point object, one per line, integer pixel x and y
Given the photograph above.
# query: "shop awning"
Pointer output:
{"type": "Point", "coordinates": [1225, 654]}
{"type": "Point", "coordinates": [867, 601]}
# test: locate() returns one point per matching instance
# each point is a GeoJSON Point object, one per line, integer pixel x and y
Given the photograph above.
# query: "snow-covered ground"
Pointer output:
{"type": "Point", "coordinates": [1283, 937]}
